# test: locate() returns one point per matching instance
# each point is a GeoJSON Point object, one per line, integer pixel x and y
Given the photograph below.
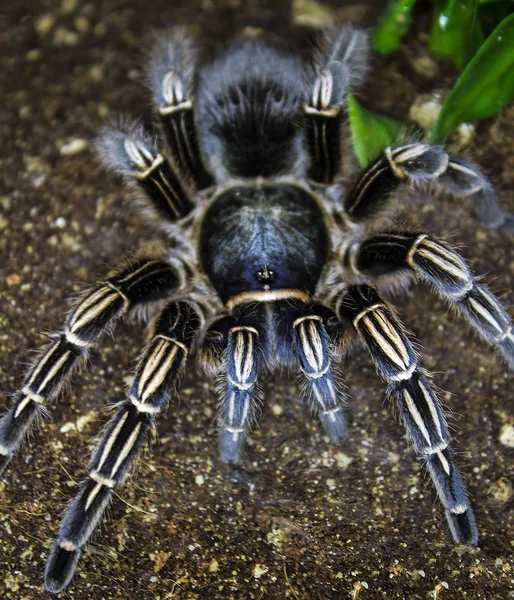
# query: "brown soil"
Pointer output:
{"type": "Point", "coordinates": [307, 519]}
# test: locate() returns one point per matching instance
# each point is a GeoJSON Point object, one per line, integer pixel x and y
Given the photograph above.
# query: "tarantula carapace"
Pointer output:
{"type": "Point", "coordinates": [270, 264]}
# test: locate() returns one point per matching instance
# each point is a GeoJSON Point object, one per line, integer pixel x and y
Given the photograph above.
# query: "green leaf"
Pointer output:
{"type": "Point", "coordinates": [456, 32]}
{"type": "Point", "coordinates": [371, 133]}
{"type": "Point", "coordinates": [485, 87]}
{"type": "Point", "coordinates": [393, 25]}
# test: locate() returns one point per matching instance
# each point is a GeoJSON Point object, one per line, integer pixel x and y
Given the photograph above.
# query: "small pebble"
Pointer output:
{"type": "Point", "coordinates": [13, 279]}
{"type": "Point", "coordinates": [506, 436]}
{"type": "Point", "coordinates": [44, 23]}
{"type": "Point", "coordinates": [259, 570]}
{"type": "Point", "coordinates": [312, 13]}
{"type": "Point", "coordinates": [74, 146]}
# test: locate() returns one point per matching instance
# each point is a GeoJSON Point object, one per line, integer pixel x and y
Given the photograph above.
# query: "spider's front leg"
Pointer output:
{"type": "Point", "coordinates": [317, 340]}
{"type": "Point", "coordinates": [155, 380]}
{"type": "Point", "coordinates": [172, 78]}
{"type": "Point", "coordinates": [421, 165]}
{"type": "Point", "coordinates": [232, 351]}
{"type": "Point", "coordinates": [97, 311]}
{"type": "Point", "coordinates": [437, 263]}
{"type": "Point", "coordinates": [416, 400]}
{"type": "Point", "coordinates": [339, 65]}
{"type": "Point", "coordinates": [295, 333]}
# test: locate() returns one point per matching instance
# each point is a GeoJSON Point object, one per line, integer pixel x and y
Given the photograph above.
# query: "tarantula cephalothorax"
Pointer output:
{"type": "Point", "coordinates": [268, 260]}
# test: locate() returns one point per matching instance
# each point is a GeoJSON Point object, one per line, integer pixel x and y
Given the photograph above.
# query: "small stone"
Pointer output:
{"type": "Point", "coordinates": [44, 23]}
{"type": "Point", "coordinates": [82, 24]}
{"type": "Point", "coordinates": [96, 72]}
{"type": "Point", "coordinates": [343, 460]}
{"type": "Point", "coordinates": [425, 66]}
{"type": "Point", "coordinates": [214, 566]}
{"type": "Point", "coordinates": [13, 279]}
{"type": "Point", "coordinates": [312, 13]}
{"type": "Point", "coordinates": [68, 6]}
{"type": "Point", "coordinates": [199, 480]}
{"type": "Point", "coordinates": [501, 490]}
{"type": "Point", "coordinates": [69, 426]}
{"type": "Point", "coordinates": [277, 410]}
{"type": "Point", "coordinates": [425, 110]}
{"type": "Point", "coordinates": [34, 54]}
{"type": "Point", "coordinates": [74, 146]}
{"type": "Point", "coordinates": [506, 436]}
{"type": "Point", "coordinates": [259, 570]}
{"type": "Point", "coordinates": [65, 37]}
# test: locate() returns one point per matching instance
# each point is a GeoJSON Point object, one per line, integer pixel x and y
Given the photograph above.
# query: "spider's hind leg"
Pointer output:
{"type": "Point", "coordinates": [156, 379]}
{"type": "Point", "coordinates": [340, 64]}
{"type": "Point", "coordinates": [96, 312]}
{"type": "Point", "coordinates": [435, 262]}
{"type": "Point", "coordinates": [415, 398]}
{"type": "Point", "coordinates": [172, 80]}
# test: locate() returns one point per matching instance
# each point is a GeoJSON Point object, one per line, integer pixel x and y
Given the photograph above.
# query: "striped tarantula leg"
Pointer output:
{"type": "Point", "coordinates": [172, 75]}
{"type": "Point", "coordinates": [242, 361]}
{"type": "Point", "coordinates": [422, 165]}
{"type": "Point", "coordinates": [313, 347]}
{"type": "Point", "coordinates": [338, 65]}
{"type": "Point", "coordinates": [132, 153]}
{"type": "Point", "coordinates": [96, 312]}
{"type": "Point", "coordinates": [416, 400]}
{"type": "Point", "coordinates": [156, 379]}
{"type": "Point", "coordinates": [437, 263]}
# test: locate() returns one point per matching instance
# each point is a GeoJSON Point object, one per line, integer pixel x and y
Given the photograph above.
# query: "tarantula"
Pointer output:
{"type": "Point", "coordinates": [269, 264]}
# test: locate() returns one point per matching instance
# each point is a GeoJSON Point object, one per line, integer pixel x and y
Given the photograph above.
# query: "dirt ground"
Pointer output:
{"type": "Point", "coordinates": [307, 519]}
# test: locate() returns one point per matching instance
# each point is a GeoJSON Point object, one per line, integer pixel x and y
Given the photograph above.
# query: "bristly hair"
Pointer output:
{"type": "Point", "coordinates": [249, 108]}
{"type": "Point", "coordinates": [173, 51]}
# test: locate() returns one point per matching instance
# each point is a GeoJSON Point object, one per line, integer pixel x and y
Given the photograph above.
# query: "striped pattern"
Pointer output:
{"type": "Point", "coordinates": [323, 123]}
{"type": "Point", "coordinates": [313, 349]}
{"type": "Point", "coordinates": [119, 445]}
{"type": "Point", "coordinates": [166, 191]}
{"type": "Point", "coordinates": [133, 154]}
{"type": "Point", "coordinates": [174, 94]}
{"type": "Point", "coordinates": [415, 399]}
{"type": "Point", "coordinates": [392, 352]}
{"type": "Point", "coordinates": [117, 450]}
{"type": "Point", "coordinates": [416, 163]}
{"type": "Point", "coordinates": [177, 118]}
{"type": "Point", "coordinates": [372, 175]}
{"type": "Point", "coordinates": [237, 406]}
{"type": "Point", "coordinates": [96, 312]}
{"type": "Point", "coordinates": [139, 153]}
{"type": "Point", "coordinates": [470, 181]}
{"type": "Point", "coordinates": [487, 314]}
{"type": "Point", "coordinates": [421, 414]}
{"type": "Point", "coordinates": [242, 367]}
{"type": "Point", "coordinates": [436, 262]}
{"type": "Point", "coordinates": [162, 362]}
{"type": "Point", "coordinates": [314, 356]}
{"type": "Point", "coordinates": [84, 323]}
{"type": "Point", "coordinates": [322, 101]}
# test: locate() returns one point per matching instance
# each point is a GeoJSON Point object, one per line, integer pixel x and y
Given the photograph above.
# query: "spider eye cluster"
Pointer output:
{"type": "Point", "coordinates": [265, 275]}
